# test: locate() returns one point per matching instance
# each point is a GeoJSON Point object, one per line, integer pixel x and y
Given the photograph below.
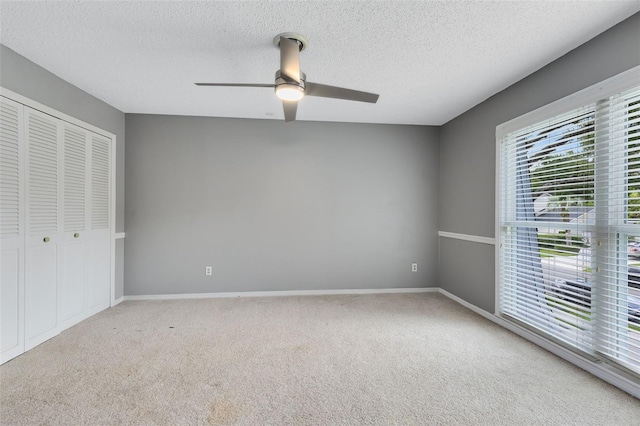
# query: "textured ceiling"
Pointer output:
{"type": "Point", "coordinates": [429, 61]}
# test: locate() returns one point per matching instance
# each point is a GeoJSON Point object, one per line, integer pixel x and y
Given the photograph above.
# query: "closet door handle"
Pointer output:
{"type": "Point", "coordinates": [46, 239]}
{"type": "Point", "coordinates": [76, 235]}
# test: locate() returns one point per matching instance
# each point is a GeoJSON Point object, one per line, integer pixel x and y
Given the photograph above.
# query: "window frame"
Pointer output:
{"type": "Point", "coordinates": [591, 95]}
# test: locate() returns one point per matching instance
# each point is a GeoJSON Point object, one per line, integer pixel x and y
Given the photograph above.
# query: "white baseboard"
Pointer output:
{"type": "Point", "coordinates": [281, 293]}
{"type": "Point", "coordinates": [118, 301]}
{"type": "Point", "coordinates": [604, 371]}
{"type": "Point", "coordinates": [468, 305]}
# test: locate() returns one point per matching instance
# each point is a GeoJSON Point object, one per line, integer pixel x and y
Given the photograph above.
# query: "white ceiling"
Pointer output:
{"type": "Point", "coordinates": [429, 61]}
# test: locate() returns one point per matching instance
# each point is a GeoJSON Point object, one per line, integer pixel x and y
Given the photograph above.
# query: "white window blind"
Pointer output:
{"type": "Point", "coordinates": [569, 225]}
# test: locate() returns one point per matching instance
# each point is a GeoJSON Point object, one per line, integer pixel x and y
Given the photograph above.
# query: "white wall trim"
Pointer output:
{"type": "Point", "coordinates": [118, 301]}
{"type": "Point", "coordinates": [604, 371]}
{"type": "Point", "coordinates": [281, 293]}
{"type": "Point", "coordinates": [119, 235]}
{"type": "Point", "coordinates": [467, 237]}
{"type": "Point", "coordinates": [468, 305]}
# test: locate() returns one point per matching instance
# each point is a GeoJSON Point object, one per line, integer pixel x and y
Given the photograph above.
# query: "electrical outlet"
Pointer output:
{"type": "Point", "coordinates": [208, 270]}
{"type": "Point", "coordinates": [414, 267]}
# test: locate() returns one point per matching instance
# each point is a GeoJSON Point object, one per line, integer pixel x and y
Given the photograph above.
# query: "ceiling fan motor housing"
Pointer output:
{"type": "Point", "coordinates": [283, 79]}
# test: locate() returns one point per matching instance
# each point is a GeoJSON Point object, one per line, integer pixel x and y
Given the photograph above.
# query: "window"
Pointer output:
{"type": "Point", "coordinates": [569, 221]}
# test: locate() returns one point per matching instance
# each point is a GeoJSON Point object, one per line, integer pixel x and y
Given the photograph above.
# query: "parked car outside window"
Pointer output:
{"type": "Point", "coordinates": [633, 250]}
{"type": "Point", "coordinates": [578, 292]}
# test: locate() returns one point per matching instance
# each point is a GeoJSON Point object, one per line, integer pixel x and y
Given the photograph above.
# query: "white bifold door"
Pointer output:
{"type": "Point", "coordinates": [56, 226]}
{"type": "Point", "coordinates": [75, 224]}
{"type": "Point", "coordinates": [85, 280]}
{"type": "Point", "coordinates": [99, 235]}
{"type": "Point", "coordinates": [11, 229]}
{"type": "Point", "coordinates": [43, 245]}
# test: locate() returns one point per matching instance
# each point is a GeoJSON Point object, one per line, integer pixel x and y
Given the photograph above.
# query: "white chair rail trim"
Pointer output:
{"type": "Point", "coordinates": [467, 237]}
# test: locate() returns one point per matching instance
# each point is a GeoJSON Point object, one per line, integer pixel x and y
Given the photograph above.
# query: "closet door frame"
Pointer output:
{"type": "Point", "coordinates": [6, 93]}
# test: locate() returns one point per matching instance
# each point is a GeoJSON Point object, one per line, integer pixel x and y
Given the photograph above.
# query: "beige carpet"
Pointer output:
{"type": "Point", "coordinates": [372, 359]}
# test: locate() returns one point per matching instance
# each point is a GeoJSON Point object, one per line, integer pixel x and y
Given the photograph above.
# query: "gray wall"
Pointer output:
{"type": "Point", "coordinates": [467, 152]}
{"type": "Point", "coordinates": [22, 76]}
{"type": "Point", "coordinates": [278, 206]}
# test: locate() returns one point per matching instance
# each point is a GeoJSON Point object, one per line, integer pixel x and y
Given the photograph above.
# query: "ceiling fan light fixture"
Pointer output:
{"type": "Point", "coordinates": [289, 92]}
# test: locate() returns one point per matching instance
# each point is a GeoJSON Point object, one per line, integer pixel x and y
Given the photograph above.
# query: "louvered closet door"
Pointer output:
{"type": "Point", "coordinates": [98, 284]}
{"type": "Point", "coordinates": [11, 230]}
{"type": "Point", "coordinates": [71, 308]}
{"type": "Point", "coordinates": [43, 202]}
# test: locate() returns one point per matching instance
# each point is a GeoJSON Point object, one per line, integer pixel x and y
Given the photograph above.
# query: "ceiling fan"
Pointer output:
{"type": "Point", "coordinates": [291, 85]}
